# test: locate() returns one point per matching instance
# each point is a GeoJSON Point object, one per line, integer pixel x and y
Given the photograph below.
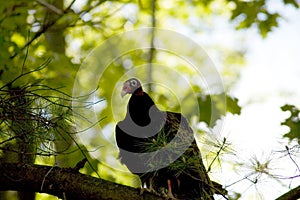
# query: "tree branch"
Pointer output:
{"type": "Point", "coordinates": [51, 7]}
{"type": "Point", "coordinates": [291, 195]}
{"type": "Point", "coordinates": [64, 182]}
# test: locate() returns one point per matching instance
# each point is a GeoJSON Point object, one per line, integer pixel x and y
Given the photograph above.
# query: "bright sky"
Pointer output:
{"type": "Point", "coordinates": [270, 80]}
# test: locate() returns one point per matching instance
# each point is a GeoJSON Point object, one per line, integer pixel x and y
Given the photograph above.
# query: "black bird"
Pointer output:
{"type": "Point", "coordinates": [159, 147]}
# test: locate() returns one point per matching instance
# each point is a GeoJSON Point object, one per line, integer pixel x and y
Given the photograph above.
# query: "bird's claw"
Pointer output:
{"type": "Point", "coordinates": [169, 196]}
{"type": "Point", "coordinates": [142, 190]}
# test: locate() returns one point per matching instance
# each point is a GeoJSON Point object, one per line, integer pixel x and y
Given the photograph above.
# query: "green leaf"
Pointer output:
{"type": "Point", "coordinates": [266, 26]}
{"type": "Point", "coordinates": [293, 122]}
{"type": "Point", "coordinates": [292, 2]}
{"type": "Point", "coordinates": [249, 13]}
{"type": "Point", "coordinates": [213, 107]}
{"type": "Point", "coordinates": [232, 105]}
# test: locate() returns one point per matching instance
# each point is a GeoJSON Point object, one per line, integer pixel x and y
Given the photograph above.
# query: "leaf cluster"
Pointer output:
{"type": "Point", "coordinates": [37, 112]}
{"type": "Point", "coordinates": [249, 13]}
{"type": "Point", "coordinates": [293, 122]}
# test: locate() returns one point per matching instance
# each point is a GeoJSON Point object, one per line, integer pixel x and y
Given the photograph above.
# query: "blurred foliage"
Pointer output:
{"type": "Point", "coordinates": [293, 122]}
{"type": "Point", "coordinates": [258, 13]}
{"type": "Point", "coordinates": [246, 14]}
{"type": "Point", "coordinates": [34, 113]}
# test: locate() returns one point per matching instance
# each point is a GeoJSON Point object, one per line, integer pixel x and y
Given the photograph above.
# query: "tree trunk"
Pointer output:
{"type": "Point", "coordinates": [23, 129]}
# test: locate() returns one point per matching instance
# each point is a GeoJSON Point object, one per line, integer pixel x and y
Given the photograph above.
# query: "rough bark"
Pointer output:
{"type": "Point", "coordinates": [65, 183]}
{"type": "Point", "coordinates": [22, 126]}
{"type": "Point", "coordinates": [291, 195]}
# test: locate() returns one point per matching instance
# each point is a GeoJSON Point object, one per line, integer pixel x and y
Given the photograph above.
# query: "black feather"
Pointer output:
{"type": "Point", "coordinates": [160, 147]}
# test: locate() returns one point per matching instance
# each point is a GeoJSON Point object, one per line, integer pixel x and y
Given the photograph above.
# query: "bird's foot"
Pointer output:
{"type": "Point", "coordinates": [151, 190]}
{"type": "Point", "coordinates": [170, 195]}
{"type": "Point", "coordinates": [142, 190]}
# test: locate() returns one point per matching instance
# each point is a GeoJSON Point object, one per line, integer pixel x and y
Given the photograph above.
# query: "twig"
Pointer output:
{"type": "Point", "coordinates": [26, 54]}
{"type": "Point", "coordinates": [289, 177]}
{"type": "Point", "coordinates": [12, 138]}
{"type": "Point", "coordinates": [84, 154]}
{"type": "Point", "coordinates": [51, 7]}
{"type": "Point", "coordinates": [42, 66]}
{"type": "Point", "coordinates": [217, 154]}
{"type": "Point", "coordinates": [45, 177]}
{"type": "Point", "coordinates": [71, 4]}
{"type": "Point", "coordinates": [35, 153]}
{"type": "Point", "coordinates": [152, 47]}
{"type": "Point", "coordinates": [287, 148]}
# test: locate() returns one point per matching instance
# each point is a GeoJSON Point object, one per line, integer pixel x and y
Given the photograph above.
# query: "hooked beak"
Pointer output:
{"type": "Point", "coordinates": [125, 90]}
{"type": "Point", "coordinates": [123, 93]}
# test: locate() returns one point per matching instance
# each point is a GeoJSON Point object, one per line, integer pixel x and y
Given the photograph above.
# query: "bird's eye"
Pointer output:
{"type": "Point", "coordinates": [133, 83]}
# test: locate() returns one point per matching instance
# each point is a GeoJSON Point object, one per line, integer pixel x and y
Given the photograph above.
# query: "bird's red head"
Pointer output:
{"type": "Point", "coordinates": [130, 86]}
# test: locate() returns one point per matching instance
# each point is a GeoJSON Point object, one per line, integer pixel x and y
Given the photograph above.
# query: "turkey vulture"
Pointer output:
{"type": "Point", "coordinates": [160, 148]}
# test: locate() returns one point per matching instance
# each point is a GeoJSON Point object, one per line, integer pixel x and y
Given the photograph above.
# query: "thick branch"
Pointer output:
{"type": "Point", "coordinates": [291, 195]}
{"type": "Point", "coordinates": [64, 182]}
